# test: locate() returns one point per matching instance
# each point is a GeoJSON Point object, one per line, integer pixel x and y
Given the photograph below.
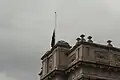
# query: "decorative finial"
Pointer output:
{"type": "Point", "coordinates": [109, 43]}
{"type": "Point", "coordinates": [78, 40]}
{"type": "Point", "coordinates": [82, 37]}
{"type": "Point", "coordinates": [89, 39]}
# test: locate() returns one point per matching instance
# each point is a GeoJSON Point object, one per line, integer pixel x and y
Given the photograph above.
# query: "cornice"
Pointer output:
{"type": "Point", "coordinates": [94, 45]}
{"type": "Point", "coordinates": [90, 64]}
{"type": "Point", "coordinates": [52, 74]}
{"type": "Point", "coordinates": [78, 44]}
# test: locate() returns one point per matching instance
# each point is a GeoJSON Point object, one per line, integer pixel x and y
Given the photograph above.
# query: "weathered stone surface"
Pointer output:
{"type": "Point", "coordinates": [84, 61]}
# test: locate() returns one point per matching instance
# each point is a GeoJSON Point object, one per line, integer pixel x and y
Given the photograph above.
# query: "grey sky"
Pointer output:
{"type": "Point", "coordinates": [26, 28]}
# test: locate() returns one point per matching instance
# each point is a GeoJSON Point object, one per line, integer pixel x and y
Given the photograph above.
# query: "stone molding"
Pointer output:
{"type": "Point", "coordinates": [80, 63]}
{"type": "Point", "coordinates": [53, 73]}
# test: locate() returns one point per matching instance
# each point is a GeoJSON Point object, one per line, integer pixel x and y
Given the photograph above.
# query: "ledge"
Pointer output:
{"type": "Point", "coordinates": [52, 73]}
{"type": "Point", "coordinates": [95, 45]}
{"type": "Point", "coordinates": [85, 63]}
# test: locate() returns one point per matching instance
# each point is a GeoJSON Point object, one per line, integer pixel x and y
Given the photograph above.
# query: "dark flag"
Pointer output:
{"type": "Point", "coordinates": [53, 39]}
{"type": "Point", "coordinates": [53, 36]}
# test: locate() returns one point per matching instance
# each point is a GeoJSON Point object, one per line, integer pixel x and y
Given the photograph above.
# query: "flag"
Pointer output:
{"type": "Point", "coordinates": [53, 39]}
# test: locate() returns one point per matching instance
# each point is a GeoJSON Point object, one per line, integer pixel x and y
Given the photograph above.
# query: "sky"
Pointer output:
{"type": "Point", "coordinates": [26, 28]}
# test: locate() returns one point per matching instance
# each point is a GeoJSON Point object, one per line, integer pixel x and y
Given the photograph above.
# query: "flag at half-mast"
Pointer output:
{"type": "Point", "coordinates": [53, 36]}
{"type": "Point", "coordinates": [53, 39]}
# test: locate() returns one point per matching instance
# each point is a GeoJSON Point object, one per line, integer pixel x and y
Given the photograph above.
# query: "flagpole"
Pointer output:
{"type": "Point", "coordinates": [55, 20]}
{"type": "Point", "coordinates": [55, 25]}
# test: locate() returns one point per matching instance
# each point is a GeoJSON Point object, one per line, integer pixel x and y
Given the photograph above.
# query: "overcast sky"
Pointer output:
{"type": "Point", "coordinates": [26, 28]}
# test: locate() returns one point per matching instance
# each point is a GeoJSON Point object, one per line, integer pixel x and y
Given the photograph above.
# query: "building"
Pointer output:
{"type": "Point", "coordinates": [86, 60]}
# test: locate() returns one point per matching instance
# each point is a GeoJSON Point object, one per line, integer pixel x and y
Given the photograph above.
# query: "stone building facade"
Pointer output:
{"type": "Point", "coordinates": [86, 60]}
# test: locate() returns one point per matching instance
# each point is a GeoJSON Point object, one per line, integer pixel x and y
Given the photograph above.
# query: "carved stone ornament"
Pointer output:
{"type": "Point", "coordinates": [117, 59]}
{"type": "Point", "coordinates": [50, 63]}
{"type": "Point", "coordinates": [72, 58]}
{"type": "Point", "coordinates": [101, 56]}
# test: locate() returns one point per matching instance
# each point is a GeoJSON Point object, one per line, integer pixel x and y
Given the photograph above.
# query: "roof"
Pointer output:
{"type": "Point", "coordinates": [95, 45]}
{"type": "Point", "coordinates": [58, 44]}
{"type": "Point", "coordinates": [65, 44]}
